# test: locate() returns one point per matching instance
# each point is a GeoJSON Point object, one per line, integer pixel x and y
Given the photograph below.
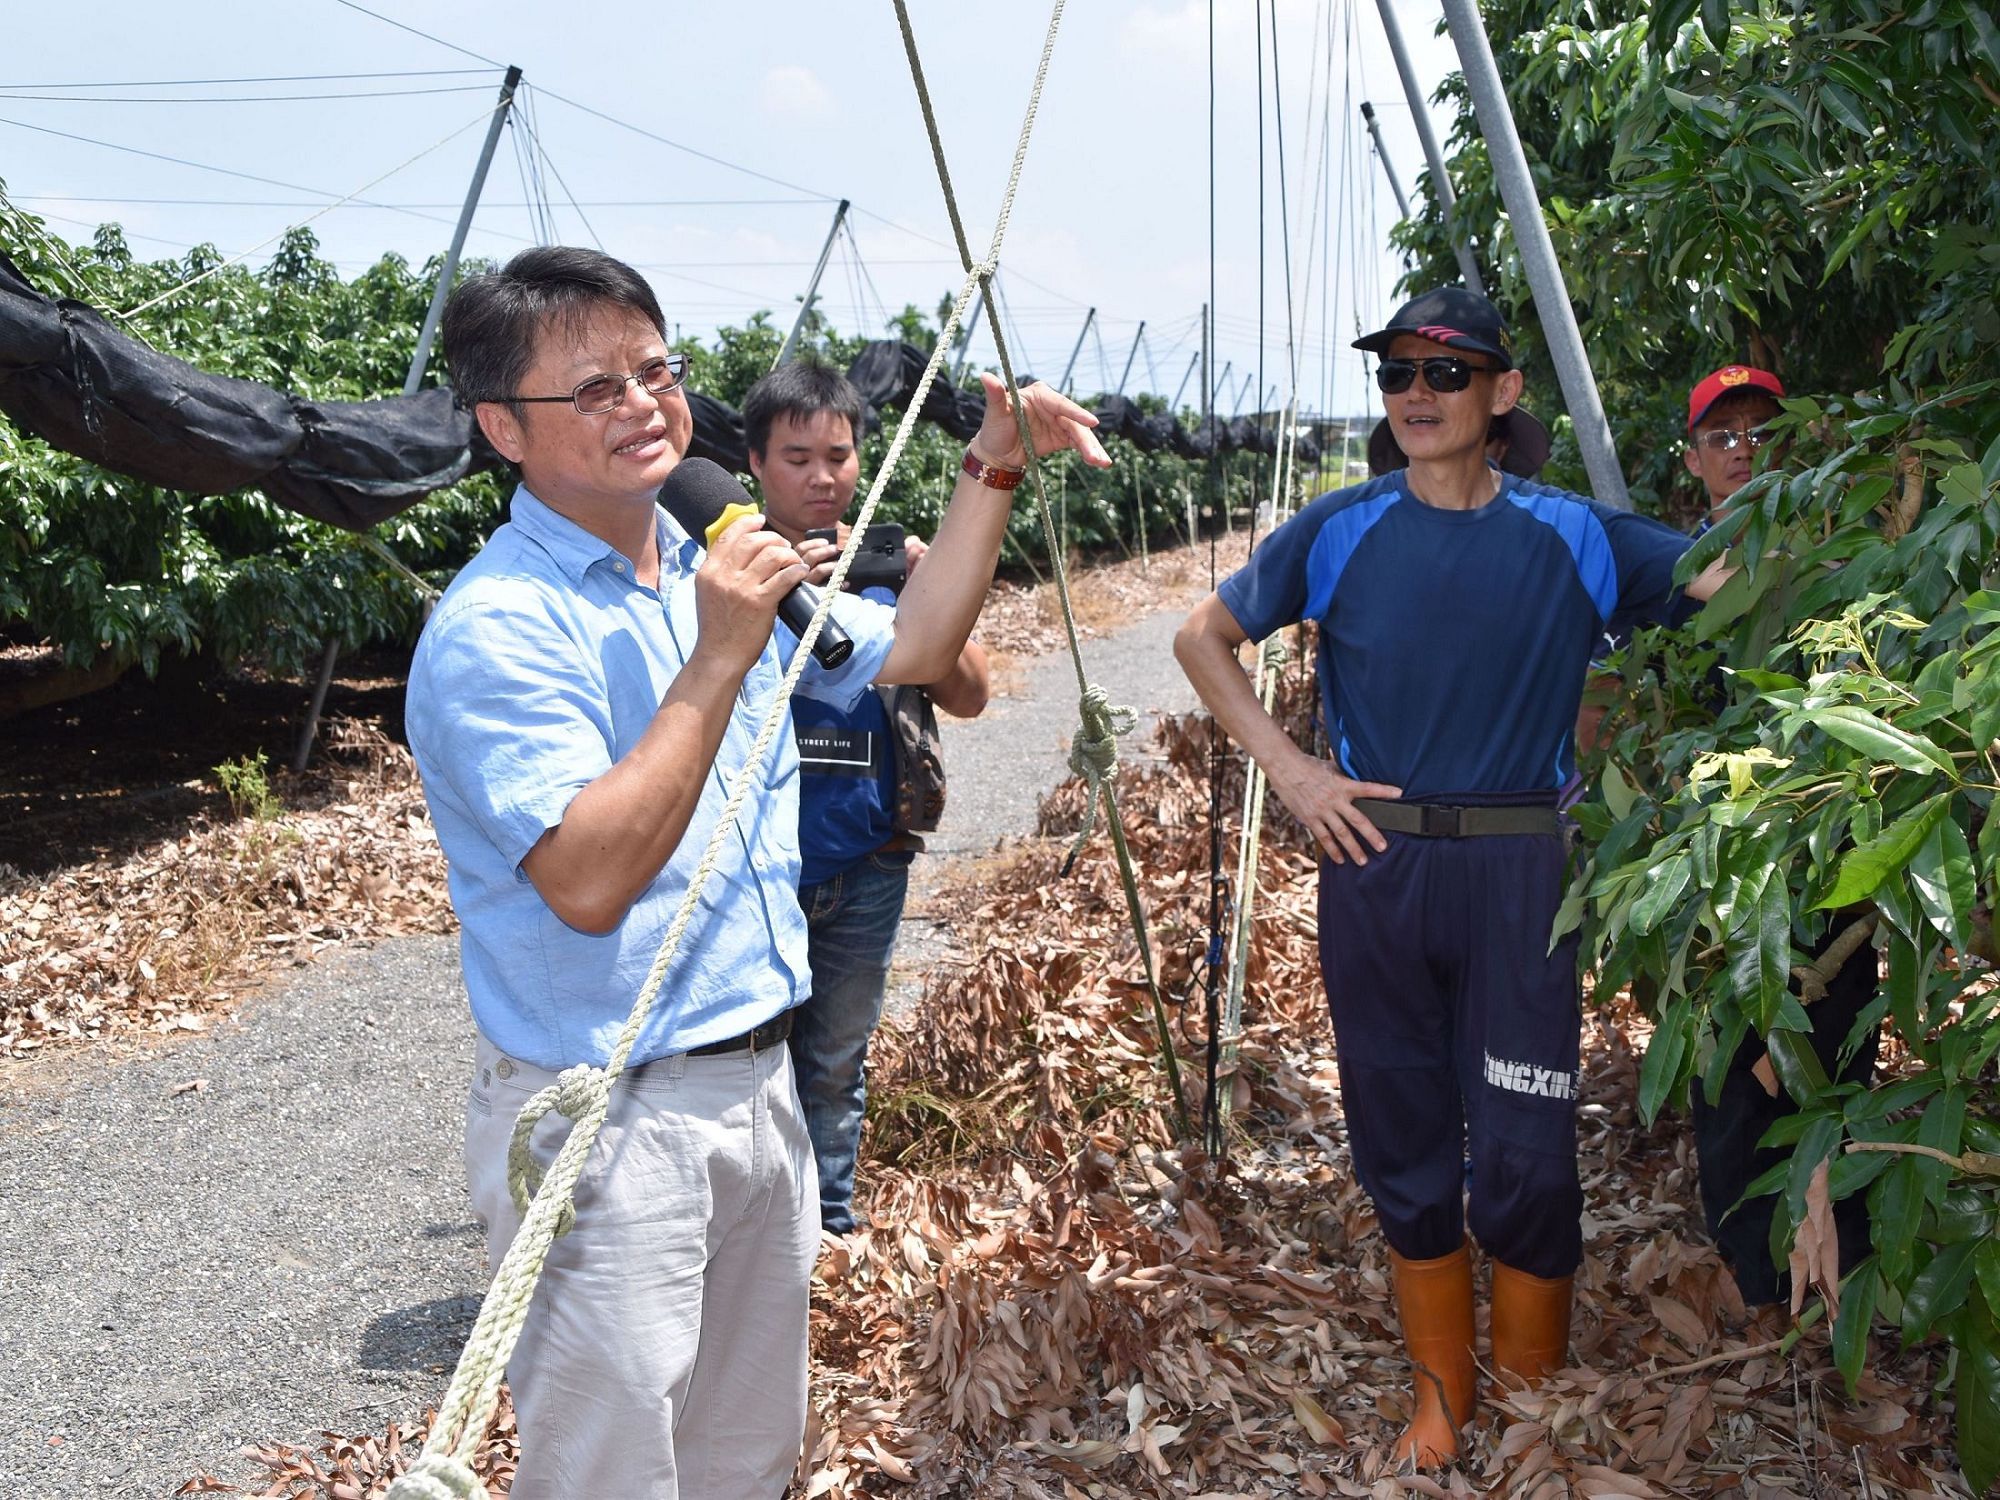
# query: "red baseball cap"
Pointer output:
{"type": "Point", "coordinates": [1712, 388]}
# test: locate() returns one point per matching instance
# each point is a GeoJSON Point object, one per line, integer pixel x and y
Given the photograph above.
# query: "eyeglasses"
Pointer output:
{"type": "Point", "coordinates": [602, 393]}
{"type": "Point", "coordinates": [1726, 439]}
{"type": "Point", "coordinates": [1443, 374]}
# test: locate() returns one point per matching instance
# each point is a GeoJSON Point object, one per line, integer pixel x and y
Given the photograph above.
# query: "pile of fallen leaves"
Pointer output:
{"type": "Point", "coordinates": [1060, 1298]}
{"type": "Point", "coordinates": [158, 940]}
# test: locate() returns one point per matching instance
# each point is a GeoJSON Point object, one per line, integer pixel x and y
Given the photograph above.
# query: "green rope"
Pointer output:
{"type": "Point", "coordinates": [1271, 658]}
{"type": "Point", "coordinates": [582, 1095]}
{"type": "Point", "coordinates": [1096, 743]}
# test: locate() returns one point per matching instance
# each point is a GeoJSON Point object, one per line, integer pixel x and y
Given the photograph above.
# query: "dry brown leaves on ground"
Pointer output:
{"type": "Point", "coordinates": [158, 941]}
{"type": "Point", "coordinates": [1059, 1300]}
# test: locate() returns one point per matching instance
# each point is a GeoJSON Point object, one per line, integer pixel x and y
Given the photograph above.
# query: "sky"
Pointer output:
{"type": "Point", "coordinates": [757, 119]}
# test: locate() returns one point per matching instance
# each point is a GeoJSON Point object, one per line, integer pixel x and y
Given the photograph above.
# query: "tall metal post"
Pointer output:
{"type": "Point", "coordinates": [443, 290]}
{"type": "Point", "coordinates": [1181, 389]}
{"type": "Point", "coordinates": [1420, 114]}
{"type": "Point", "coordinates": [1221, 380]}
{"type": "Point", "coordinates": [1070, 368]}
{"type": "Point", "coordinates": [426, 335]}
{"type": "Point", "coordinates": [1382, 155]}
{"type": "Point", "coordinates": [812, 287]}
{"type": "Point", "coordinates": [1131, 355]}
{"type": "Point", "coordinates": [1538, 253]}
{"type": "Point", "coordinates": [965, 336]}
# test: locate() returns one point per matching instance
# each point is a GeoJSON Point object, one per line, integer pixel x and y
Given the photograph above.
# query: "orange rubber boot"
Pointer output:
{"type": "Point", "coordinates": [1434, 1299]}
{"type": "Point", "coordinates": [1530, 1322]}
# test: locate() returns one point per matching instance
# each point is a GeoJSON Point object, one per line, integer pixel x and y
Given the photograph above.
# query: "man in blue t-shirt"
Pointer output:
{"type": "Point", "coordinates": [1457, 609]}
{"type": "Point", "coordinates": [802, 424]}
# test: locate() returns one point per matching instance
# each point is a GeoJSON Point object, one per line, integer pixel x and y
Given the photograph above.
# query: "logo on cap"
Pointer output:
{"type": "Point", "coordinates": [1439, 333]}
{"type": "Point", "coordinates": [1734, 375]}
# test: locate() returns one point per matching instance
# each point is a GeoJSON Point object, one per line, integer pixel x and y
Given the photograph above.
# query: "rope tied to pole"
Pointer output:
{"type": "Point", "coordinates": [1102, 786]}
{"type": "Point", "coordinates": [1093, 755]}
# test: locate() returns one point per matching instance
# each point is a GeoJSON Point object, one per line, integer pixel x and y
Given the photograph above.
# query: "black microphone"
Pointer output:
{"type": "Point", "coordinates": [706, 499]}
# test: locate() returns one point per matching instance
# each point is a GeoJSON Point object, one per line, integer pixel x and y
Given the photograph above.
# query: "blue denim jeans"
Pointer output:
{"type": "Point", "coordinates": [851, 923]}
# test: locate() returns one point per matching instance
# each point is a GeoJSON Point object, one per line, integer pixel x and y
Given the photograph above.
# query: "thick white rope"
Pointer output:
{"type": "Point", "coordinates": [444, 1472]}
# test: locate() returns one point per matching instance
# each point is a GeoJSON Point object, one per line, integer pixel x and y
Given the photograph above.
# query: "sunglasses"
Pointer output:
{"type": "Point", "coordinates": [1727, 439]}
{"type": "Point", "coordinates": [1443, 374]}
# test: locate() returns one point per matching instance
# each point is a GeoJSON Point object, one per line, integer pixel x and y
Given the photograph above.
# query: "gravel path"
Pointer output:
{"type": "Point", "coordinates": [287, 1248]}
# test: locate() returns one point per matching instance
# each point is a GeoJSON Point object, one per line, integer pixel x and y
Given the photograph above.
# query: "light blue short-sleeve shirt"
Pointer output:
{"type": "Point", "coordinates": [542, 666]}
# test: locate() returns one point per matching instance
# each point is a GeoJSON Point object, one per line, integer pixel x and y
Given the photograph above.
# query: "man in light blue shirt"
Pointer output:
{"type": "Point", "coordinates": [579, 704]}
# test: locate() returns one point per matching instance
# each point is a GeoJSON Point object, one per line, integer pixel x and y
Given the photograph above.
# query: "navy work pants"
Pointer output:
{"type": "Point", "coordinates": [1726, 1134]}
{"type": "Point", "coordinates": [1457, 1035]}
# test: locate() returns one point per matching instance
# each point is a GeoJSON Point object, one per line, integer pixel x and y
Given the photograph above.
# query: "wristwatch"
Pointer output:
{"type": "Point", "coordinates": [993, 476]}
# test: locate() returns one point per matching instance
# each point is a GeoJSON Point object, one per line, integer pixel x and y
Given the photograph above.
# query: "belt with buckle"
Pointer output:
{"type": "Point", "coordinates": [756, 1039]}
{"type": "Point", "coordinates": [1432, 820]}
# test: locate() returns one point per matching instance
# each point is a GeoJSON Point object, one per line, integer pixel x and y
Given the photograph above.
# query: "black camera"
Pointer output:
{"type": "Point", "coordinates": [880, 561]}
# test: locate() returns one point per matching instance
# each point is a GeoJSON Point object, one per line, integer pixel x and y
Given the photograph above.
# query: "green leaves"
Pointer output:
{"type": "Point", "coordinates": [1941, 871]}
{"type": "Point", "coordinates": [1864, 869]}
{"type": "Point", "coordinates": [1760, 961]}
{"type": "Point", "coordinates": [1863, 731]}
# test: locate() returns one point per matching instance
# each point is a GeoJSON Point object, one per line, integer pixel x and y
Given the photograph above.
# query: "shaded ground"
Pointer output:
{"type": "Point", "coordinates": [108, 774]}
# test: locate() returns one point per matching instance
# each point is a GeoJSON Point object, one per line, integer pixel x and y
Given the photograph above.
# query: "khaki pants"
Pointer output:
{"type": "Point", "coordinates": [664, 1354]}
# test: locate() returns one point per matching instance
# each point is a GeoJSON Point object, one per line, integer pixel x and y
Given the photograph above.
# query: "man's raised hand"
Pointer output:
{"type": "Point", "coordinates": [1054, 421]}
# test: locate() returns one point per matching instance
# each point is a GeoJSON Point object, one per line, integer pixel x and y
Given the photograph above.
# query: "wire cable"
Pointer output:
{"type": "Point", "coordinates": [467, 88]}
{"type": "Point", "coordinates": [479, 119]}
{"type": "Point", "coordinates": [176, 83]}
{"type": "Point", "coordinates": [181, 161]}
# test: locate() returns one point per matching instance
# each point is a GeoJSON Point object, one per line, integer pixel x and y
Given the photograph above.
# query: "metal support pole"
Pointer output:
{"type": "Point", "coordinates": [309, 731]}
{"type": "Point", "coordinates": [1538, 253]}
{"type": "Point", "coordinates": [812, 287]}
{"type": "Point", "coordinates": [1382, 155]}
{"type": "Point", "coordinates": [1070, 368]}
{"type": "Point", "coordinates": [443, 290]}
{"type": "Point", "coordinates": [1174, 406]}
{"type": "Point", "coordinates": [1221, 380]}
{"type": "Point", "coordinates": [1131, 355]}
{"type": "Point", "coordinates": [965, 338]}
{"type": "Point", "coordinates": [1420, 114]}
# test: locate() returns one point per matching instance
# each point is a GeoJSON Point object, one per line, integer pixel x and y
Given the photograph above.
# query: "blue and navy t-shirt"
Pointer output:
{"type": "Point", "coordinates": [847, 779]}
{"type": "Point", "coordinates": [1453, 643]}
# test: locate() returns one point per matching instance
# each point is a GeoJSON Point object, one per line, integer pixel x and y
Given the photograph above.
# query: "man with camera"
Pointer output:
{"type": "Point", "coordinates": [870, 781]}
{"type": "Point", "coordinates": [580, 702]}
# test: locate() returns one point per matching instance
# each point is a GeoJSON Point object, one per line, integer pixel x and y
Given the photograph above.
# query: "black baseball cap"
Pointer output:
{"type": "Point", "coordinates": [1527, 445]}
{"type": "Point", "coordinates": [1451, 316]}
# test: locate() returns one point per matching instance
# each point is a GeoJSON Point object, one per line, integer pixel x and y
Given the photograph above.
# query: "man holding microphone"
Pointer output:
{"type": "Point", "coordinates": [579, 703]}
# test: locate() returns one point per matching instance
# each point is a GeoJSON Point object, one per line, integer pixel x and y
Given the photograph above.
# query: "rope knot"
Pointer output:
{"type": "Point", "coordinates": [579, 1093]}
{"type": "Point", "coordinates": [437, 1476]}
{"type": "Point", "coordinates": [1093, 754]}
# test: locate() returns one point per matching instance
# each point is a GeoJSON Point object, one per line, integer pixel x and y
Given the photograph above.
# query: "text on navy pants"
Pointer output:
{"type": "Point", "coordinates": [1457, 1035]}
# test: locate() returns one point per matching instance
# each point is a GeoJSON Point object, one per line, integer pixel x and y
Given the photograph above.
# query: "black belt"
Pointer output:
{"type": "Point", "coordinates": [1433, 820]}
{"type": "Point", "coordinates": [756, 1039]}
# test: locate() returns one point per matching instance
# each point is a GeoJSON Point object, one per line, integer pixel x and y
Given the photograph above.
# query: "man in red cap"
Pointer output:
{"type": "Point", "coordinates": [1727, 413]}
{"type": "Point", "coordinates": [1457, 607]}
